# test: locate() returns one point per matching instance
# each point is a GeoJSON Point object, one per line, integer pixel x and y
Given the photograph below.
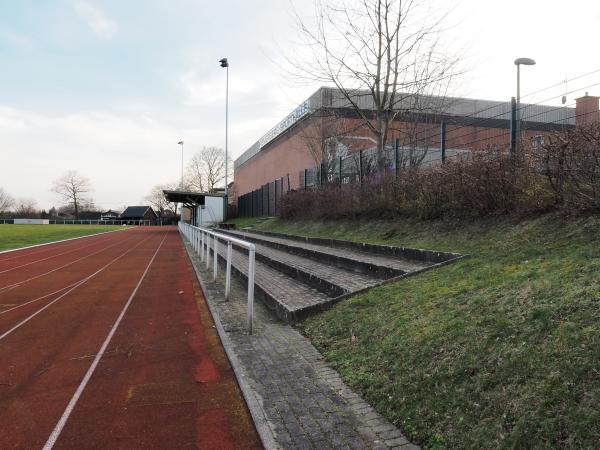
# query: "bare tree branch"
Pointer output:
{"type": "Point", "coordinates": [388, 49]}
{"type": "Point", "coordinates": [6, 200]}
{"type": "Point", "coordinates": [206, 169]}
{"type": "Point", "coordinates": [73, 189]}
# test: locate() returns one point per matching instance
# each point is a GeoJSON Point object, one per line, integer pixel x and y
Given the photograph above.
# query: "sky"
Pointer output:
{"type": "Point", "coordinates": [108, 88]}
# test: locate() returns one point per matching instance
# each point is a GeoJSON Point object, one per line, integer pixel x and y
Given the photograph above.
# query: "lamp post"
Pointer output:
{"type": "Point", "coordinates": [181, 182]}
{"type": "Point", "coordinates": [520, 62]}
{"type": "Point", "coordinates": [225, 64]}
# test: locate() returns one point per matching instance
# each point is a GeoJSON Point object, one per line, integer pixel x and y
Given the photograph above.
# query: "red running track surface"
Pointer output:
{"type": "Point", "coordinates": [128, 358]}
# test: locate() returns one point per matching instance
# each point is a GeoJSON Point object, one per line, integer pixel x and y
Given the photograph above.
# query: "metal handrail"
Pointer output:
{"type": "Point", "coordinates": [199, 238]}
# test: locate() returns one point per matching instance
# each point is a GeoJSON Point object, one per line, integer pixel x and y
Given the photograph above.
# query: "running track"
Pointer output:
{"type": "Point", "coordinates": [107, 342]}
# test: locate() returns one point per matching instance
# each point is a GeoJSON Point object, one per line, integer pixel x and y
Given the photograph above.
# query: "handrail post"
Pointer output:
{"type": "Point", "coordinates": [207, 250]}
{"type": "Point", "coordinates": [228, 271]}
{"type": "Point", "coordinates": [250, 312]}
{"type": "Point", "coordinates": [215, 256]}
{"type": "Point", "coordinates": [201, 252]}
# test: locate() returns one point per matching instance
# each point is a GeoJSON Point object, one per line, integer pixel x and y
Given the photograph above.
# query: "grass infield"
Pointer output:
{"type": "Point", "coordinates": [17, 236]}
{"type": "Point", "coordinates": [499, 350]}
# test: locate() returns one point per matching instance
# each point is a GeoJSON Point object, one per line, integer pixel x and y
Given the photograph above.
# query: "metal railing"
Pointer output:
{"type": "Point", "coordinates": [200, 240]}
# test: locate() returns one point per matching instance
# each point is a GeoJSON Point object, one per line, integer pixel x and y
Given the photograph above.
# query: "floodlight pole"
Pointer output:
{"type": "Point", "coordinates": [181, 182]}
{"type": "Point", "coordinates": [225, 63]}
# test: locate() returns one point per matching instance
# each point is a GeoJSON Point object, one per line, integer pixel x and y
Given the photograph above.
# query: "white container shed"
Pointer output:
{"type": "Point", "coordinates": [206, 209]}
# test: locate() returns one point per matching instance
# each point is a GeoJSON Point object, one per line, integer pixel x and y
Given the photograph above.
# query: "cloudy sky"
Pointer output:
{"type": "Point", "coordinates": [108, 87]}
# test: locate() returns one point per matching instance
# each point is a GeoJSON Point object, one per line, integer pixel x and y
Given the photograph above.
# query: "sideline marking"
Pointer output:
{"type": "Point", "coordinates": [24, 321]}
{"type": "Point", "coordinates": [57, 242]}
{"type": "Point", "coordinates": [3, 289]}
{"type": "Point", "coordinates": [69, 409]}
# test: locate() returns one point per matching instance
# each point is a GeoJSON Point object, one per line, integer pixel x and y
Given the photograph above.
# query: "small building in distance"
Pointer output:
{"type": "Point", "coordinates": [136, 214]}
{"type": "Point", "coordinates": [110, 215]}
{"type": "Point", "coordinates": [204, 209]}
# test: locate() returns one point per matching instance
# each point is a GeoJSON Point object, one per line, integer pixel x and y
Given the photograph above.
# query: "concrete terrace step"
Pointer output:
{"type": "Point", "coordinates": [295, 275]}
{"type": "Point", "coordinates": [373, 264]}
{"type": "Point", "coordinates": [286, 296]}
{"type": "Point", "coordinates": [331, 280]}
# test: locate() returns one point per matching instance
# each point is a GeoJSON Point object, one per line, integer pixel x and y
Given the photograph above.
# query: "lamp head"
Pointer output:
{"type": "Point", "coordinates": [224, 62]}
{"type": "Point", "coordinates": [524, 62]}
{"type": "Point", "coordinates": [180, 143]}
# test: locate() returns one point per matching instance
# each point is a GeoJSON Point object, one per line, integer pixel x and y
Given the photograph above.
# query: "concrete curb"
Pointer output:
{"type": "Point", "coordinates": [256, 411]}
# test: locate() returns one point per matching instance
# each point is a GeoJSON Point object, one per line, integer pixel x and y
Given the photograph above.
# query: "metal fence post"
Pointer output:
{"type": "Point", "coordinates": [228, 271]}
{"type": "Point", "coordinates": [341, 161]}
{"type": "Point", "coordinates": [397, 156]}
{"type": "Point", "coordinates": [360, 166]}
{"type": "Point", "coordinates": [250, 312]}
{"type": "Point", "coordinates": [305, 173]}
{"type": "Point", "coordinates": [443, 141]}
{"type": "Point", "coordinates": [513, 125]}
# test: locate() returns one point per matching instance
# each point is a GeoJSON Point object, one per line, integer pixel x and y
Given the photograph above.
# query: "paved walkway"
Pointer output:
{"type": "Point", "coordinates": [297, 401]}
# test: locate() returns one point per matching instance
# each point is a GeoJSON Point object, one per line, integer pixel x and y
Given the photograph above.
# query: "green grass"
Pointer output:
{"type": "Point", "coordinates": [499, 350]}
{"type": "Point", "coordinates": [16, 236]}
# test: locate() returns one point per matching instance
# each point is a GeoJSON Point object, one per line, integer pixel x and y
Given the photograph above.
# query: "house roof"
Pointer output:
{"type": "Point", "coordinates": [135, 211]}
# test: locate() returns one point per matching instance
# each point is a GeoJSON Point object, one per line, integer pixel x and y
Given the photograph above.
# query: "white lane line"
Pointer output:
{"type": "Point", "coordinates": [40, 298]}
{"type": "Point", "coordinates": [69, 409]}
{"type": "Point", "coordinates": [89, 277]}
{"type": "Point", "coordinates": [47, 258]}
{"type": "Point", "coordinates": [19, 283]}
{"type": "Point", "coordinates": [57, 242]}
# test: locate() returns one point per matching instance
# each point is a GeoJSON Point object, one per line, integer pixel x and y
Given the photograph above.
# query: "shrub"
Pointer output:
{"type": "Point", "coordinates": [563, 173]}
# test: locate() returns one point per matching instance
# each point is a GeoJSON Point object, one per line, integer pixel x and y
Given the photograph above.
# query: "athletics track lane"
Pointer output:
{"type": "Point", "coordinates": [163, 382]}
{"type": "Point", "coordinates": [25, 293]}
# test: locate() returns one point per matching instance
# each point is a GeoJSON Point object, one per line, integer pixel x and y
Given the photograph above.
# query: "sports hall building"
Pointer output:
{"type": "Point", "coordinates": [470, 125]}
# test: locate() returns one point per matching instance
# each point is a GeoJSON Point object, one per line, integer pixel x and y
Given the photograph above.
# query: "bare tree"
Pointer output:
{"type": "Point", "coordinates": [157, 199]}
{"type": "Point", "coordinates": [6, 200]}
{"type": "Point", "coordinates": [73, 190]}
{"type": "Point", "coordinates": [381, 55]}
{"type": "Point", "coordinates": [26, 208]}
{"type": "Point", "coordinates": [206, 169]}
{"type": "Point", "coordinates": [324, 136]}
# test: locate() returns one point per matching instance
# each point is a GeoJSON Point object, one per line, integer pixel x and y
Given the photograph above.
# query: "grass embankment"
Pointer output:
{"type": "Point", "coordinates": [16, 236]}
{"type": "Point", "coordinates": [499, 350]}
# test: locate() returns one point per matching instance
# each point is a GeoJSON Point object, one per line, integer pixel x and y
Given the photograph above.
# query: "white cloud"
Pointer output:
{"type": "Point", "coordinates": [123, 154]}
{"type": "Point", "coordinates": [101, 25]}
{"type": "Point", "coordinates": [19, 41]}
{"type": "Point", "coordinates": [199, 90]}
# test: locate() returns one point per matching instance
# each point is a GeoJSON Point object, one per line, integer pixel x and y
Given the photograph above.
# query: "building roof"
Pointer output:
{"type": "Point", "coordinates": [135, 211]}
{"type": "Point", "coordinates": [189, 197]}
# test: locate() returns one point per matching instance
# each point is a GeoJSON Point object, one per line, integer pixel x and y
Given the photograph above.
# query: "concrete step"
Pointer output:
{"type": "Point", "coordinates": [353, 259]}
{"type": "Point", "coordinates": [289, 298]}
{"type": "Point", "coordinates": [325, 277]}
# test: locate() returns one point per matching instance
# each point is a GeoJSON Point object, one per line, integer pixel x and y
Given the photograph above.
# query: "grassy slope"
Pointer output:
{"type": "Point", "coordinates": [500, 350]}
{"type": "Point", "coordinates": [16, 236]}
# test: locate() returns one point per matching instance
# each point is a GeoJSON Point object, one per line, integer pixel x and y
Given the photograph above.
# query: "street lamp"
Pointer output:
{"type": "Point", "coordinates": [520, 62]}
{"type": "Point", "coordinates": [225, 63]}
{"type": "Point", "coordinates": [181, 182]}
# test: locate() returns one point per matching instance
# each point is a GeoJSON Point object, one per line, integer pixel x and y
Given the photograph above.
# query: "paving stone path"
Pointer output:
{"type": "Point", "coordinates": [297, 401]}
